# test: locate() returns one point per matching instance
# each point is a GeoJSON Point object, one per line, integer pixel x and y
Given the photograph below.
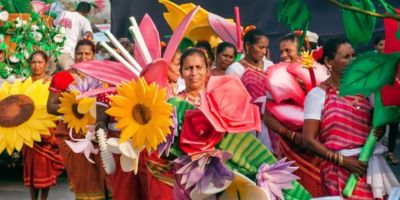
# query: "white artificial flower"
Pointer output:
{"type": "Point", "coordinates": [34, 28]}
{"type": "Point", "coordinates": [19, 23]}
{"type": "Point", "coordinates": [26, 55]}
{"type": "Point", "coordinates": [61, 30]}
{"type": "Point", "coordinates": [58, 38]}
{"type": "Point", "coordinates": [8, 69]}
{"type": "Point", "coordinates": [37, 36]}
{"type": "Point", "coordinates": [14, 59]}
{"type": "Point", "coordinates": [4, 15]}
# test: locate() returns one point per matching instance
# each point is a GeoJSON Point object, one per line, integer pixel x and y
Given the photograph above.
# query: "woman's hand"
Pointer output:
{"type": "Point", "coordinates": [355, 166]}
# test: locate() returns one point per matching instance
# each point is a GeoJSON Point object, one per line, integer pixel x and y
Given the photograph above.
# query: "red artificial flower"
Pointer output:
{"type": "Point", "coordinates": [227, 105]}
{"type": "Point", "coordinates": [198, 135]}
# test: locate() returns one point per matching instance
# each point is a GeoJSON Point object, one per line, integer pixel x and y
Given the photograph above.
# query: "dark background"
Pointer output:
{"type": "Point", "coordinates": [326, 17]}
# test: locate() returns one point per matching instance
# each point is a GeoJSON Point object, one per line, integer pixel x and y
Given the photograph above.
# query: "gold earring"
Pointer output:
{"type": "Point", "coordinates": [329, 67]}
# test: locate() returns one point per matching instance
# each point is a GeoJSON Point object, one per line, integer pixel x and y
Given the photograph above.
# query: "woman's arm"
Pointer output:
{"type": "Point", "coordinates": [53, 103]}
{"type": "Point", "coordinates": [311, 129]}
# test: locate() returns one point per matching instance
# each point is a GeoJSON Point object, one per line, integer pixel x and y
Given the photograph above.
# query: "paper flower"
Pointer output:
{"type": "Point", "coordinates": [129, 159]}
{"type": "Point", "coordinates": [77, 112]}
{"type": "Point", "coordinates": [164, 147]}
{"type": "Point", "coordinates": [273, 178]}
{"type": "Point", "coordinates": [307, 59]}
{"type": "Point", "coordinates": [58, 38]}
{"type": "Point", "coordinates": [142, 114]}
{"type": "Point", "coordinates": [37, 36]}
{"type": "Point", "coordinates": [226, 104]}
{"type": "Point", "coordinates": [85, 145]}
{"type": "Point", "coordinates": [206, 172]}
{"type": "Point", "coordinates": [4, 15]}
{"type": "Point", "coordinates": [198, 135]}
{"type": "Point", "coordinates": [23, 115]}
{"type": "Point", "coordinates": [34, 28]}
{"type": "Point", "coordinates": [13, 59]}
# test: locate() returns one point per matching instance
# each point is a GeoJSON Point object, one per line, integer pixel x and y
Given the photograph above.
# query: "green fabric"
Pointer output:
{"type": "Point", "coordinates": [248, 153]}
{"type": "Point", "coordinates": [368, 73]}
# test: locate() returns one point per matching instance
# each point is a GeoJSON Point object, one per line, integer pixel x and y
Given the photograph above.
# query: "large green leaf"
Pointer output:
{"type": "Point", "coordinates": [368, 73]}
{"type": "Point", "coordinates": [293, 13]}
{"type": "Point", "coordinates": [9, 6]}
{"type": "Point", "coordinates": [359, 27]}
{"type": "Point", "coordinates": [384, 114]}
{"type": "Point", "coordinates": [17, 6]}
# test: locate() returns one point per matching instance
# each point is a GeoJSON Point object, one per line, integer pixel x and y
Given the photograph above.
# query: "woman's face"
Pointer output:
{"type": "Point", "coordinates": [225, 58]}
{"type": "Point", "coordinates": [258, 50]}
{"type": "Point", "coordinates": [38, 65]}
{"type": "Point", "coordinates": [288, 50]}
{"type": "Point", "coordinates": [344, 55]}
{"type": "Point", "coordinates": [84, 53]}
{"type": "Point", "coordinates": [380, 46]}
{"type": "Point", "coordinates": [173, 69]}
{"type": "Point", "coordinates": [194, 72]}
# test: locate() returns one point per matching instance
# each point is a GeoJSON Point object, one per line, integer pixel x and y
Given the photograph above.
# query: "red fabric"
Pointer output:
{"type": "Point", "coordinates": [42, 163]}
{"type": "Point", "coordinates": [391, 94]}
{"type": "Point", "coordinates": [343, 126]}
{"type": "Point", "coordinates": [392, 44]}
{"type": "Point", "coordinates": [255, 83]}
{"type": "Point", "coordinates": [60, 81]}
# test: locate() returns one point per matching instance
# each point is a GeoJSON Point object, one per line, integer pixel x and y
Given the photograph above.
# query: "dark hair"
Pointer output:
{"type": "Point", "coordinates": [83, 7]}
{"type": "Point", "coordinates": [223, 45]}
{"type": "Point", "coordinates": [378, 39]}
{"type": "Point", "coordinates": [205, 45]}
{"type": "Point", "coordinates": [253, 36]}
{"type": "Point", "coordinates": [85, 42]}
{"type": "Point", "coordinates": [40, 52]}
{"type": "Point", "coordinates": [330, 48]}
{"type": "Point", "coordinates": [192, 51]}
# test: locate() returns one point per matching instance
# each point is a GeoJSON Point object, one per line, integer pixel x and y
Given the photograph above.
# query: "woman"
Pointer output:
{"type": "Point", "coordinates": [335, 125]}
{"type": "Point", "coordinates": [287, 141]}
{"type": "Point", "coordinates": [88, 181]}
{"type": "Point", "coordinates": [42, 163]}
{"type": "Point", "coordinates": [175, 81]}
{"type": "Point", "coordinates": [225, 55]}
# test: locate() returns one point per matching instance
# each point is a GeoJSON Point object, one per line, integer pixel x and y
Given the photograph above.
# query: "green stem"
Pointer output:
{"type": "Point", "coordinates": [366, 12]}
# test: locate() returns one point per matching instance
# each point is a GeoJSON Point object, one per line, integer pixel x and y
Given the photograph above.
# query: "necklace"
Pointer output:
{"type": "Point", "coordinates": [248, 65]}
{"type": "Point", "coordinates": [193, 99]}
{"type": "Point", "coordinates": [353, 101]}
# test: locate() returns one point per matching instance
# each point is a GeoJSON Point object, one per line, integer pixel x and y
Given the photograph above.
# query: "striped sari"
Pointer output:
{"type": "Point", "coordinates": [345, 124]}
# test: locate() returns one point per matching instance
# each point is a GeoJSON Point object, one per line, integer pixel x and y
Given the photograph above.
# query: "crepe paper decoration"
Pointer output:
{"type": "Point", "coordinates": [287, 113]}
{"type": "Point", "coordinates": [205, 171]}
{"type": "Point", "coordinates": [308, 61]}
{"type": "Point", "coordinates": [95, 92]}
{"type": "Point", "coordinates": [243, 188]}
{"type": "Point", "coordinates": [142, 114]}
{"type": "Point", "coordinates": [238, 29]}
{"type": "Point", "coordinates": [178, 35]}
{"type": "Point", "coordinates": [368, 73]}
{"type": "Point", "coordinates": [392, 41]}
{"type": "Point", "coordinates": [224, 28]}
{"type": "Point", "coordinates": [293, 13]}
{"type": "Point", "coordinates": [129, 159]}
{"type": "Point", "coordinates": [248, 154]}
{"type": "Point", "coordinates": [151, 38]}
{"type": "Point", "coordinates": [276, 177]}
{"type": "Point", "coordinates": [23, 116]}
{"type": "Point", "coordinates": [282, 85]}
{"type": "Point", "coordinates": [227, 105]}
{"type": "Point", "coordinates": [319, 72]}
{"type": "Point", "coordinates": [40, 6]}
{"type": "Point", "coordinates": [120, 59]}
{"type": "Point", "coordinates": [198, 135]}
{"type": "Point", "coordinates": [139, 41]}
{"type": "Point", "coordinates": [165, 147]}
{"type": "Point", "coordinates": [359, 27]}
{"type": "Point", "coordinates": [99, 5]}
{"type": "Point", "coordinates": [157, 72]}
{"type": "Point", "coordinates": [106, 156]}
{"type": "Point", "coordinates": [85, 84]}
{"type": "Point", "coordinates": [391, 94]}
{"type": "Point", "coordinates": [85, 145]}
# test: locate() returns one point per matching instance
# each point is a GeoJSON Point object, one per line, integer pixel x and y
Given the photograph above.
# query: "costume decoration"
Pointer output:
{"type": "Point", "coordinates": [85, 145]}
{"type": "Point", "coordinates": [23, 116]}
{"type": "Point", "coordinates": [129, 156]}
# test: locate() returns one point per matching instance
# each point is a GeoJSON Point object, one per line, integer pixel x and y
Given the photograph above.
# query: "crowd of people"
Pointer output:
{"type": "Point", "coordinates": [321, 148]}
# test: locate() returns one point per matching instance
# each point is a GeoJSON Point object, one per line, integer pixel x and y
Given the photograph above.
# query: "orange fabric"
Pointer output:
{"type": "Point", "coordinates": [87, 180]}
{"type": "Point", "coordinates": [42, 163]}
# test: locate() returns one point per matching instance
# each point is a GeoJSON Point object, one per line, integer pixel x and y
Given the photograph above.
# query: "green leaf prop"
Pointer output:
{"type": "Point", "coordinates": [248, 153]}
{"type": "Point", "coordinates": [9, 6]}
{"type": "Point", "coordinates": [293, 13]}
{"type": "Point", "coordinates": [384, 114]}
{"type": "Point", "coordinates": [368, 73]}
{"type": "Point", "coordinates": [17, 6]}
{"type": "Point", "coordinates": [359, 27]}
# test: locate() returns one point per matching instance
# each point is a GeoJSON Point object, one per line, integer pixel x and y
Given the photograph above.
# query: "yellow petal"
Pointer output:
{"type": "Point", "coordinates": [85, 104]}
{"type": "Point", "coordinates": [128, 132]}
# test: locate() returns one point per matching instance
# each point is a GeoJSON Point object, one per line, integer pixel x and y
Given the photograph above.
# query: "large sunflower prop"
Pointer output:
{"type": "Point", "coordinates": [23, 114]}
{"type": "Point", "coordinates": [142, 114]}
{"type": "Point", "coordinates": [77, 112]}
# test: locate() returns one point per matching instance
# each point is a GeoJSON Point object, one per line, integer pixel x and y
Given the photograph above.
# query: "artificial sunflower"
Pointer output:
{"type": "Point", "coordinates": [142, 114]}
{"type": "Point", "coordinates": [23, 116]}
{"type": "Point", "coordinates": [78, 113]}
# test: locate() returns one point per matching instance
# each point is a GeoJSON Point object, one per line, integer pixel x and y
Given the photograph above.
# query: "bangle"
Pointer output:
{"type": "Point", "coordinates": [292, 137]}
{"type": "Point", "coordinates": [328, 156]}
{"type": "Point", "coordinates": [336, 160]}
{"type": "Point", "coordinates": [340, 160]}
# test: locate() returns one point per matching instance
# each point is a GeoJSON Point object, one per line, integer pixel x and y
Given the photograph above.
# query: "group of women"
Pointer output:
{"type": "Point", "coordinates": [332, 124]}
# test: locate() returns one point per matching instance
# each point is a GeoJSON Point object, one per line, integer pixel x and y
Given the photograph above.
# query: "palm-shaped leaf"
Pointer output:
{"type": "Point", "coordinates": [368, 73]}
{"type": "Point", "coordinates": [293, 13]}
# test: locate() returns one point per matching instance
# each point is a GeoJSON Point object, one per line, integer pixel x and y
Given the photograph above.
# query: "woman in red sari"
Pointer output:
{"type": "Point", "coordinates": [42, 163]}
{"type": "Point", "coordinates": [87, 180]}
{"type": "Point", "coordinates": [336, 124]}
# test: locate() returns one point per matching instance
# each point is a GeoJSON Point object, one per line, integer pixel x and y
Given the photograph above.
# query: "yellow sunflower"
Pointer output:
{"type": "Point", "coordinates": [78, 113]}
{"type": "Point", "coordinates": [142, 114]}
{"type": "Point", "coordinates": [307, 59]}
{"type": "Point", "coordinates": [23, 114]}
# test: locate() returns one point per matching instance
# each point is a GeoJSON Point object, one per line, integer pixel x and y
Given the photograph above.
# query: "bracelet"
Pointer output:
{"type": "Point", "coordinates": [292, 137]}
{"type": "Point", "coordinates": [335, 158]}
{"type": "Point", "coordinates": [328, 156]}
{"type": "Point", "coordinates": [340, 160]}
